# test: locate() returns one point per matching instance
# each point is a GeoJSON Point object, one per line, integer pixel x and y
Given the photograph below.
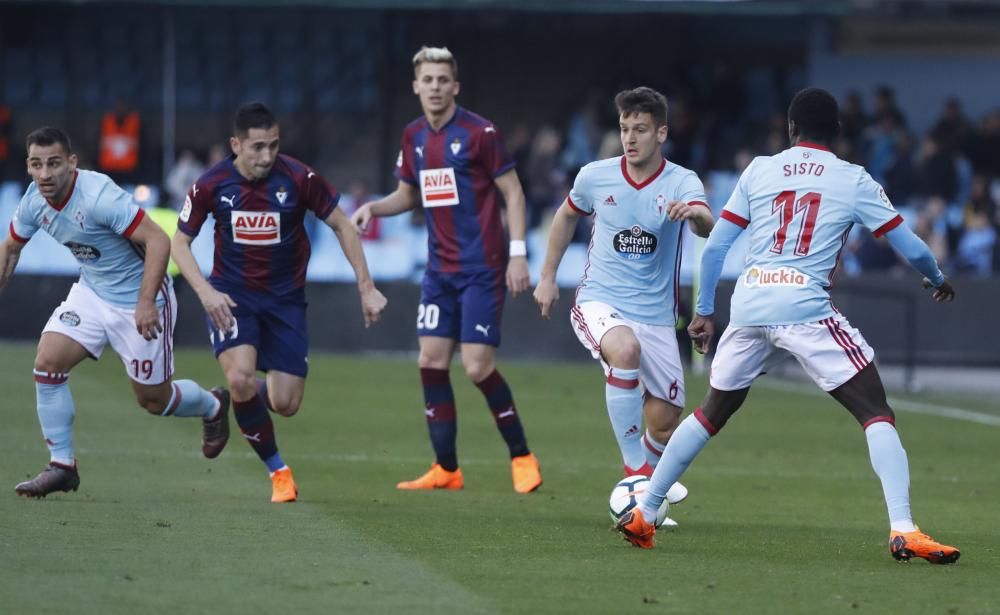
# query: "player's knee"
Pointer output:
{"type": "Point", "coordinates": [477, 371]}
{"type": "Point", "coordinates": [428, 360]}
{"type": "Point", "coordinates": [625, 354]}
{"type": "Point", "coordinates": [288, 406]}
{"type": "Point", "coordinates": [49, 364]}
{"type": "Point", "coordinates": [242, 385]}
{"type": "Point", "coordinates": [152, 401]}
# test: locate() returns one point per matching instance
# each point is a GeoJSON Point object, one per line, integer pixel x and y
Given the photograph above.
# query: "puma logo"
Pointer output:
{"type": "Point", "coordinates": [484, 329]}
{"type": "Point", "coordinates": [228, 199]}
{"type": "Point", "coordinates": [254, 437]}
{"type": "Point", "coordinates": [506, 413]}
{"type": "Point", "coordinates": [429, 412]}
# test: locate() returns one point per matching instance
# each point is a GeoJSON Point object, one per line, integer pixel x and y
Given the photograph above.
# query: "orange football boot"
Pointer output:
{"type": "Point", "coordinates": [905, 545]}
{"type": "Point", "coordinates": [283, 487]}
{"type": "Point", "coordinates": [636, 529]}
{"type": "Point", "coordinates": [435, 478]}
{"type": "Point", "coordinates": [524, 470]}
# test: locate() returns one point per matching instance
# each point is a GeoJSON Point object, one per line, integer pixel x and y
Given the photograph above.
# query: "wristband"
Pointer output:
{"type": "Point", "coordinates": [518, 247]}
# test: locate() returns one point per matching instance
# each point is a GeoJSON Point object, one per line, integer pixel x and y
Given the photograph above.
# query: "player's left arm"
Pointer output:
{"type": "Point", "coordinates": [517, 269]}
{"type": "Point", "coordinates": [692, 206]}
{"type": "Point", "coordinates": [702, 328]}
{"type": "Point", "coordinates": [156, 246]}
{"type": "Point", "coordinates": [920, 257]}
{"type": "Point", "coordinates": [372, 301]}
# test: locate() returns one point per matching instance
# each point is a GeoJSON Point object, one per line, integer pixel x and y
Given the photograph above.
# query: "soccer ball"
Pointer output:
{"type": "Point", "coordinates": [625, 497]}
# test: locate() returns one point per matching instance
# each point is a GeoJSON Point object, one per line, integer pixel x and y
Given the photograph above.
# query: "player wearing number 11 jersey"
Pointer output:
{"type": "Point", "coordinates": [798, 207]}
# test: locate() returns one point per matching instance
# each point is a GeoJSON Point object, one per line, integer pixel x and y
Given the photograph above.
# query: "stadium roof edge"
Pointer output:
{"type": "Point", "coordinates": [731, 7]}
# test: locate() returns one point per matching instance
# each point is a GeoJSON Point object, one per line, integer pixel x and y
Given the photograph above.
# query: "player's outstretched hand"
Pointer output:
{"type": "Point", "coordinates": [943, 293]}
{"type": "Point", "coordinates": [546, 293]}
{"type": "Point", "coordinates": [362, 218]}
{"type": "Point", "coordinates": [218, 308]}
{"type": "Point", "coordinates": [701, 330]}
{"type": "Point", "coordinates": [372, 305]}
{"type": "Point", "coordinates": [517, 275]}
{"type": "Point", "coordinates": [147, 319]}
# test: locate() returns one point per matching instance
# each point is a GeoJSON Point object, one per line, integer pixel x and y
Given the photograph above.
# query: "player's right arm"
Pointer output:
{"type": "Point", "coordinates": [218, 306]}
{"type": "Point", "coordinates": [22, 228]}
{"type": "Point", "coordinates": [9, 256]}
{"type": "Point", "coordinates": [404, 198]}
{"type": "Point", "coordinates": [560, 234]}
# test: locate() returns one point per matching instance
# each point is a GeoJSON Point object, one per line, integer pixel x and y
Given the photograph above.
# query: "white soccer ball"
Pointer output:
{"type": "Point", "coordinates": [626, 495]}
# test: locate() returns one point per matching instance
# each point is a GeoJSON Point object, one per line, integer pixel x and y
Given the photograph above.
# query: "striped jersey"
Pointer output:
{"type": "Point", "coordinates": [454, 168]}
{"type": "Point", "coordinates": [260, 241]}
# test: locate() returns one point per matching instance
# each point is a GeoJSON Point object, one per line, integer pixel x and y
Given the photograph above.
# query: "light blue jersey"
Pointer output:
{"type": "Point", "coordinates": [799, 207]}
{"type": "Point", "coordinates": [635, 250]}
{"type": "Point", "coordinates": [95, 223]}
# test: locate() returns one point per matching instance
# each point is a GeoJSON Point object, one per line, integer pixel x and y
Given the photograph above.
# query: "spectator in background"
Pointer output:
{"type": "Point", "coordinates": [853, 119]}
{"type": "Point", "coordinates": [542, 174]}
{"type": "Point", "coordinates": [119, 150]}
{"type": "Point", "coordinates": [952, 130]}
{"type": "Point", "coordinates": [900, 174]}
{"type": "Point", "coordinates": [984, 151]}
{"type": "Point", "coordinates": [583, 135]}
{"type": "Point", "coordinates": [974, 255]}
{"type": "Point", "coordinates": [185, 172]}
{"type": "Point", "coordinates": [936, 171]}
{"type": "Point", "coordinates": [216, 154]}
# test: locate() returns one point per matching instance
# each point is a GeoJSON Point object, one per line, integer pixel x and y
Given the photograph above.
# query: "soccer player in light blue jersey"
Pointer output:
{"type": "Point", "coordinates": [799, 206]}
{"type": "Point", "coordinates": [123, 298]}
{"type": "Point", "coordinates": [626, 305]}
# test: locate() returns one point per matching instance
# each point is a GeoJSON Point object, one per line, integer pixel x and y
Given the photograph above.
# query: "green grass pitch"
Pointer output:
{"type": "Point", "coordinates": [785, 513]}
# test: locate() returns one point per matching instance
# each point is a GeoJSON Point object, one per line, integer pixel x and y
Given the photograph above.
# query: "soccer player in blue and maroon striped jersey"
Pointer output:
{"type": "Point", "coordinates": [254, 299]}
{"type": "Point", "coordinates": [454, 165]}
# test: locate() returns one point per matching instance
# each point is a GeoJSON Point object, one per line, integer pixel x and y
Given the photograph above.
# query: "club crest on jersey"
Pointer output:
{"type": "Point", "coordinates": [635, 243]}
{"type": "Point", "coordinates": [455, 146]}
{"type": "Point", "coordinates": [782, 276]}
{"type": "Point", "coordinates": [80, 219]}
{"type": "Point", "coordinates": [438, 187]}
{"type": "Point", "coordinates": [661, 204]}
{"type": "Point", "coordinates": [281, 195]}
{"type": "Point", "coordinates": [256, 228]}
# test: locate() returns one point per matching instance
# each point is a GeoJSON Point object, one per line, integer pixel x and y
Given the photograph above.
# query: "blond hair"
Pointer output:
{"type": "Point", "coordinates": [435, 55]}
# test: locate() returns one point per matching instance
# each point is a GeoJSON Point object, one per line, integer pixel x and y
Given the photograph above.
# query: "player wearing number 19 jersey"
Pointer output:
{"type": "Point", "coordinates": [798, 207]}
{"type": "Point", "coordinates": [453, 164]}
{"type": "Point", "coordinates": [123, 299]}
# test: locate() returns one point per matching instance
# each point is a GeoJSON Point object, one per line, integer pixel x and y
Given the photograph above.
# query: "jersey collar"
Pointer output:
{"type": "Point", "coordinates": [72, 186]}
{"type": "Point", "coordinates": [649, 180]}
{"type": "Point", "coordinates": [812, 145]}
{"type": "Point", "coordinates": [444, 127]}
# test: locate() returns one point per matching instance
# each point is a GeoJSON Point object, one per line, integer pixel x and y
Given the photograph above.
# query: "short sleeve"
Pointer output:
{"type": "Point", "coordinates": [737, 209]}
{"type": "Point", "coordinates": [117, 210]}
{"type": "Point", "coordinates": [318, 195]}
{"type": "Point", "coordinates": [197, 205]}
{"type": "Point", "coordinates": [873, 208]}
{"type": "Point", "coordinates": [23, 225]}
{"type": "Point", "coordinates": [492, 153]}
{"type": "Point", "coordinates": [404, 162]}
{"type": "Point", "coordinates": [692, 191]}
{"type": "Point", "coordinates": [579, 196]}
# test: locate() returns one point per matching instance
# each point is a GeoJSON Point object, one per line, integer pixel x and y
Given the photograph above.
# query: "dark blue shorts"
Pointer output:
{"type": "Point", "coordinates": [275, 326]}
{"type": "Point", "coordinates": [462, 306]}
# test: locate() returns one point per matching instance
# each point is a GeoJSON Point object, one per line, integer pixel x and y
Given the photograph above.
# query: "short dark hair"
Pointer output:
{"type": "Point", "coordinates": [47, 135]}
{"type": "Point", "coordinates": [816, 114]}
{"type": "Point", "coordinates": [643, 100]}
{"type": "Point", "coordinates": [252, 115]}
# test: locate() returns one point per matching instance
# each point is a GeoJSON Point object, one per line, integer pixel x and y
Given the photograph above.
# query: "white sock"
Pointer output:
{"type": "Point", "coordinates": [189, 399]}
{"type": "Point", "coordinates": [624, 398]}
{"type": "Point", "coordinates": [652, 449]}
{"type": "Point", "coordinates": [890, 464]}
{"type": "Point", "coordinates": [54, 404]}
{"type": "Point", "coordinates": [684, 445]}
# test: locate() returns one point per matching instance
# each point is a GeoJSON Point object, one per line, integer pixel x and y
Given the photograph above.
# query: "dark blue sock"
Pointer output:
{"type": "Point", "coordinates": [439, 408]}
